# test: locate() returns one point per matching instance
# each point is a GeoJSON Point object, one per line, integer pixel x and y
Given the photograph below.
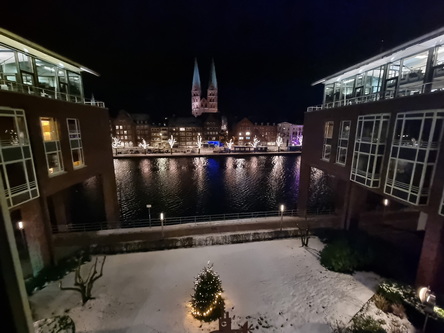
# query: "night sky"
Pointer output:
{"type": "Point", "coordinates": [267, 52]}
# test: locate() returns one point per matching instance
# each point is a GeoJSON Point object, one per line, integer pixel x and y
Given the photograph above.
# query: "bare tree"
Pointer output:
{"type": "Point", "coordinates": [84, 285]}
{"type": "Point", "coordinates": [304, 232]}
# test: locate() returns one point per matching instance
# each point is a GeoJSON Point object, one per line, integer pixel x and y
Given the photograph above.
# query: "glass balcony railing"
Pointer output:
{"type": "Point", "coordinates": [47, 93]}
{"type": "Point", "coordinates": [425, 88]}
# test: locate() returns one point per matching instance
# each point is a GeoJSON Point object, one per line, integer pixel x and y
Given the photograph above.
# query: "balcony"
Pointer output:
{"type": "Point", "coordinates": [425, 88]}
{"type": "Point", "coordinates": [47, 93]}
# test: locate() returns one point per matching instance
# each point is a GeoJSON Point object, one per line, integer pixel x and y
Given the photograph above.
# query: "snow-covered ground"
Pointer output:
{"type": "Point", "coordinates": [276, 285]}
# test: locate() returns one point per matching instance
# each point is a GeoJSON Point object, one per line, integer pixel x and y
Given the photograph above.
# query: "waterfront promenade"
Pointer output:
{"type": "Point", "coordinates": [204, 153]}
{"type": "Point", "coordinates": [67, 243]}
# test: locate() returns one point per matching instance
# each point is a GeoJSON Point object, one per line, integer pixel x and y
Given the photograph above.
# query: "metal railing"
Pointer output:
{"type": "Point", "coordinates": [403, 90]}
{"type": "Point", "coordinates": [47, 93]}
{"type": "Point", "coordinates": [169, 221]}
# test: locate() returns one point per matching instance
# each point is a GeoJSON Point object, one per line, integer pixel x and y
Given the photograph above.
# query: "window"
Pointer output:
{"type": "Point", "coordinates": [328, 136]}
{"type": "Point", "coordinates": [75, 142]}
{"type": "Point", "coordinates": [341, 155]}
{"type": "Point", "coordinates": [371, 137]}
{"type": "Point", "coordinates": [416, 142]}
{"type": "Point", "coordinates": [51, 144]}
{"type": "Point", "coordinates": [16, 162]}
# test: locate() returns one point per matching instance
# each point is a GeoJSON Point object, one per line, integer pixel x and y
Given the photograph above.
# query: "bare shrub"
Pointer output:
{"type": "Point", "coordinates": [381, 303]}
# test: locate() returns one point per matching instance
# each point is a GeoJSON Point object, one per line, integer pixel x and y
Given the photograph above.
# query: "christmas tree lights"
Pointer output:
{"type": "Point", "coordinates": [207, 302]}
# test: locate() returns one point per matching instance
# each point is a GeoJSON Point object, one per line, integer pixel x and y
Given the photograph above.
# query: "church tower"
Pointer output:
{"type": "Point", "coordinates": [201, 105]}
{"type": "Point", "coordinates": [195, 92]}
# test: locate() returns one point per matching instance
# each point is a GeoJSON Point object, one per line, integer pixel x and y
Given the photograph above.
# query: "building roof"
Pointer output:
{"type": "Point", "coordinates": [21, 44]}
{"type": "Point", "coordinates": [412, 47]}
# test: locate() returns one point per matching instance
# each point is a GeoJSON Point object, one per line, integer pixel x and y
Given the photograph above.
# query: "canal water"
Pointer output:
{"type": "Point", "coordinates": [186, 186]}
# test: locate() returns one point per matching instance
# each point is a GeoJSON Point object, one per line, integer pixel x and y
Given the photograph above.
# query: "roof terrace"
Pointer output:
{"type": "Point", "coordinates": [416, 67]}
{"type": "Point", "coordinates": [28, 68]}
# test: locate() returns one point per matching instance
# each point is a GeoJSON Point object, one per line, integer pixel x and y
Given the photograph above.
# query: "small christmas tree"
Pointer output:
{"type": "Point", "coordinates": [207, 302]}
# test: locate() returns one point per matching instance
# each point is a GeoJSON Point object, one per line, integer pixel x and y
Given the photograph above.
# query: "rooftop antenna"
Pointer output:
{"type": "Point", "coordinates": [382, 46]}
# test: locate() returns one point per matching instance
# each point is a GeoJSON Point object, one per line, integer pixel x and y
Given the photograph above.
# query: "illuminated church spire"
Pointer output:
{"type": "Point", "coordinates": [201, 105]}
{"type": "Point", "coordinates": [212, 89]}
{"type": "Point", "coordinates": [195, 91]}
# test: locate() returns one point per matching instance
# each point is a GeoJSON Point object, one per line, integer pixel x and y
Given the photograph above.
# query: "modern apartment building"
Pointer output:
{"type": "Point", "coordinates": [379, 133]}
{"type": "Point", "coordinates": [53, 144]}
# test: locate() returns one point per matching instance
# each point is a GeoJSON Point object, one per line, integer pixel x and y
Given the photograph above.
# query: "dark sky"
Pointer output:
{"type": "Point", "coordinates": [267, 52]}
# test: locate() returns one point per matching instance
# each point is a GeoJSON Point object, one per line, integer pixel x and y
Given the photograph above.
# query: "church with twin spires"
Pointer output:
{"type": "Point", "coordinates": [201, 105]}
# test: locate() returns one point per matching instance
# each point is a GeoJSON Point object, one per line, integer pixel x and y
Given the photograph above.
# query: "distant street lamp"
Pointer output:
{"type": "Point", "coordinates": [282, 214]}
{"type": "Point", "coordinates": [161, 222]}
{"type": "Point", "coordinates": [149, 213]}
{"type": "Point", "coordinates": [385, 202]}
{"type": "Point", "coordinates": [22, 232]}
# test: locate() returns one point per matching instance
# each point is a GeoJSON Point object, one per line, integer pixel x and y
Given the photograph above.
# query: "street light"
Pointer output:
{"type": "Point", "coordinates": [149, 213]}
{"type": "Point", "coordinates": [161, 222]}
{"type": "Point", "coordinates": [22, 231]}
{"type": "Point", "coordinates": [385, 202]}
{"type": "Point", "coordinates": [429, 299]}
{"type": "Point", "coordinates": [282, 214]}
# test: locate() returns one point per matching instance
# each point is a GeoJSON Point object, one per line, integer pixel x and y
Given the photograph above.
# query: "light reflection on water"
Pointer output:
{"type": "Point", "coordinates": [184, 186]}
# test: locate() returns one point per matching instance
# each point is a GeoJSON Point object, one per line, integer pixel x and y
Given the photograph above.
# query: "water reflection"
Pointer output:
{"type": "Point", "coordinates": [201, 185]}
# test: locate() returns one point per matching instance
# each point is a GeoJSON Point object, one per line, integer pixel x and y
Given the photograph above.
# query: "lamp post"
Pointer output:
{"type": "Point", "coordinates": [429, 299]}
{"type": "Point", "coordinates": [22, 232]}
{"type": "Point", "coordinates": [161, 222]}
{"type": "Point", "coordinates": [282, 214]}
{"type": "Point", "coordinates": [385, 202]}
{"type": "Point", "coordinates": [149, 213]}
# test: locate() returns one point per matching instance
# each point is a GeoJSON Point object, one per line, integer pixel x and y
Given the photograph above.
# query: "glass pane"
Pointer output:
{"type": "Point", "coordinates": [49, 130]}
{"type": "Point", "coordinates": [77, 157]}
{"type": "Point", "coordinates": [413, 69]}
{"type": "Point", "coordinates": [46, 73]}
{"type": "Point", "coordinates": [25, 62]}
{"type": "Point", "coordinates": [16, 174]}
{"type": "Point", "coordinates": [7, 62]}
{"type": "Point", "coordinates": [54, 164]}
{"type": "Point", "coordinates": [74, 83]}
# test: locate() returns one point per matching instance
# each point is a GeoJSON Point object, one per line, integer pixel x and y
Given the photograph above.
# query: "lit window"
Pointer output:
{"type": "Point", "coordinates": [52, 146]}
{"type": "Point", "coordinates": [49, 131]}
{"type": "Point", "coordinates": [75, 141]}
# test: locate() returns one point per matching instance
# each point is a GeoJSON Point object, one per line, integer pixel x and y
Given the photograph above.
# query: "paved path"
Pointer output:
{"type": "Point", "coordinates": [68, 242]}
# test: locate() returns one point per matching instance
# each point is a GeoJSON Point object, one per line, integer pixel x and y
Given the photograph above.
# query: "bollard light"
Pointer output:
{"type": "Point", "coordinates": [20, 225]}
{"type": "Point", "coordinates": [386, 202]}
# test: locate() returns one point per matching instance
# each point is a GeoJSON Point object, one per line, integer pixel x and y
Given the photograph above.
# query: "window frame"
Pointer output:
{"type": "Point", "coordinates": [75, 143]}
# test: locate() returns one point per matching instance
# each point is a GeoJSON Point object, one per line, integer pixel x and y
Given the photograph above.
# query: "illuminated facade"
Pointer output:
{"type": "Point", "coordinates": [291, 134]}
{"type": "Point", "coordinates": [245, 131]}
{"type": "Point", "coordinates": [52, 142]}
{"type": "Point", "coordinates": [378, 133]}
{"type": "Point", "coordinates": [201, 105]}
